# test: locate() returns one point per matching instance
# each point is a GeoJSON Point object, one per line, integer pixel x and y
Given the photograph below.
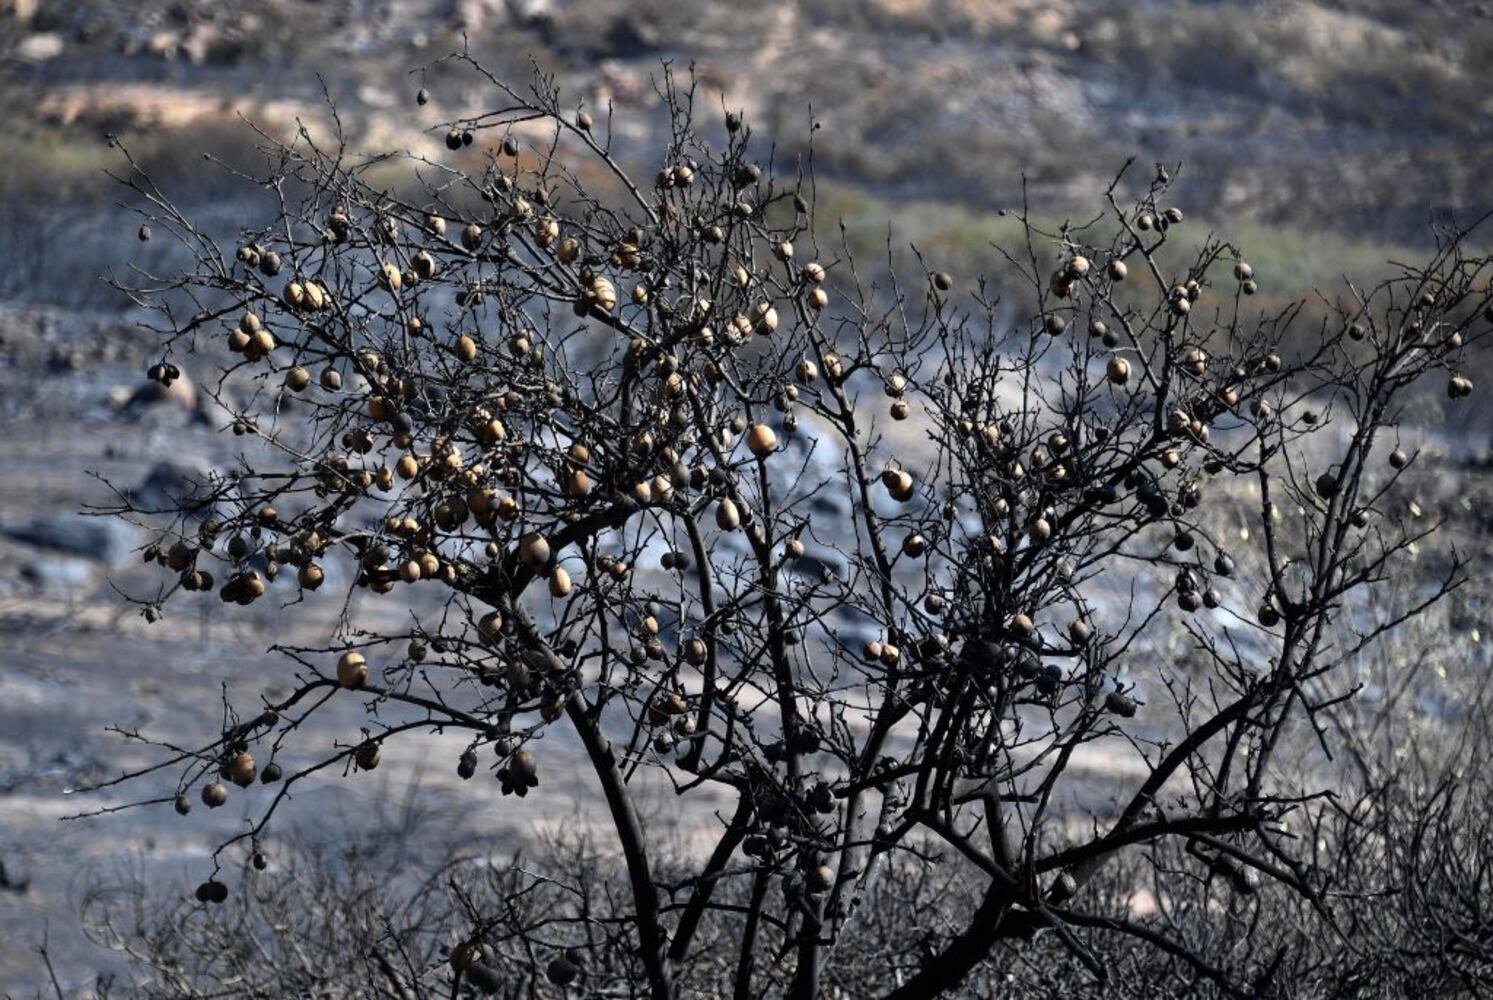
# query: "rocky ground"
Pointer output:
{"type": "Point", "coordinates": [82, 667]}
{"type": "Point", "coordinates": [1358, 116]}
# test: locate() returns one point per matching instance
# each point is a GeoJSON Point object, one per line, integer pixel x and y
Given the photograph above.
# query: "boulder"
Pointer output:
{"type": "Point", "coordinates": [61, 575]}
{"type": "Point", "coordinates": [180, 393]}
{"type": "Point", "coordinates": [820, 564]}
{"type": "Point", "coordinates": [40, 47]}
{"type": "Point", "coordinates": [171, 486]}
{"type": "Point", "coordinates": [102, 539]}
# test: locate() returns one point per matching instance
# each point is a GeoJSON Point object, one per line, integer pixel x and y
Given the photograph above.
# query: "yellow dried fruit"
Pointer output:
{"type": "Point", "coordinates": [352, 669]}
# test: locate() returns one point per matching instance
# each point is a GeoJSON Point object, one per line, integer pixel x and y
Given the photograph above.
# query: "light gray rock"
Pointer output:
{"type": "Point", "coordinates": [59, 575]}
{"type": "Point", "coordinates": [102, 539]}
{"type": "Point", "coordinates": [820, 564]}
{"type": "Point", "coordinates": [180, 393]}
{"type": "Point", "coordinates": [40, 47]}
{"type": "Point", "coordinates": [172, 485]}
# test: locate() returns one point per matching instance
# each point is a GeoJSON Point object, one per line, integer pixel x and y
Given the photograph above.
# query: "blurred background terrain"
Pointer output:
{"type": "Point", "coordinates": [1333, 128]}
{"type": "Point", "coordinates": [1323, 137]}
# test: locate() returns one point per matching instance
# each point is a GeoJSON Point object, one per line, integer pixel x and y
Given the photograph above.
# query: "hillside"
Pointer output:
{"type": "Point", "coordinates": [1358, 118]}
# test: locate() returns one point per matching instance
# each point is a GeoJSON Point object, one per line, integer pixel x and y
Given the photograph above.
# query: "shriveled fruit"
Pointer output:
{"type": "Point", "coordinates": [603, 293]}
{"type": "Point", "coordinates": [352, 669]}
{"type": "Point", "coordinates": [211, 891]}
{"type": "Point", "coordinates": [898, 483]}
{"type": "Point", "coordinates": [764, 318]}
{"type": "Point", "coordinates": [490, 627]}
{"type": "Point", "coordinates": [241, 770]}
{"type": "Point", "coordinates": [484, 978]}
{"type": "Point", "coordinates": [390, 279]}
{"type": "Point", "coordinates": [534, 550]}
{"type": "Point", "coordinates": [761, 440]}
{"type": "Point", "coordinates": [561, 971]}
{"type": "Point", "coordinates": [424, 265]}
{"type": "Point", "coordinates": [519, 775]}
{"type": "Point", "coordinates": [297, 379]}
{"type": "Point", "coordinates": [367, 756]}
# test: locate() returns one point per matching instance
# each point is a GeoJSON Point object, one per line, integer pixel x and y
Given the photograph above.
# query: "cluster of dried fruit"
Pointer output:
{"type": "Point", "coordinates": [511, 401]}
